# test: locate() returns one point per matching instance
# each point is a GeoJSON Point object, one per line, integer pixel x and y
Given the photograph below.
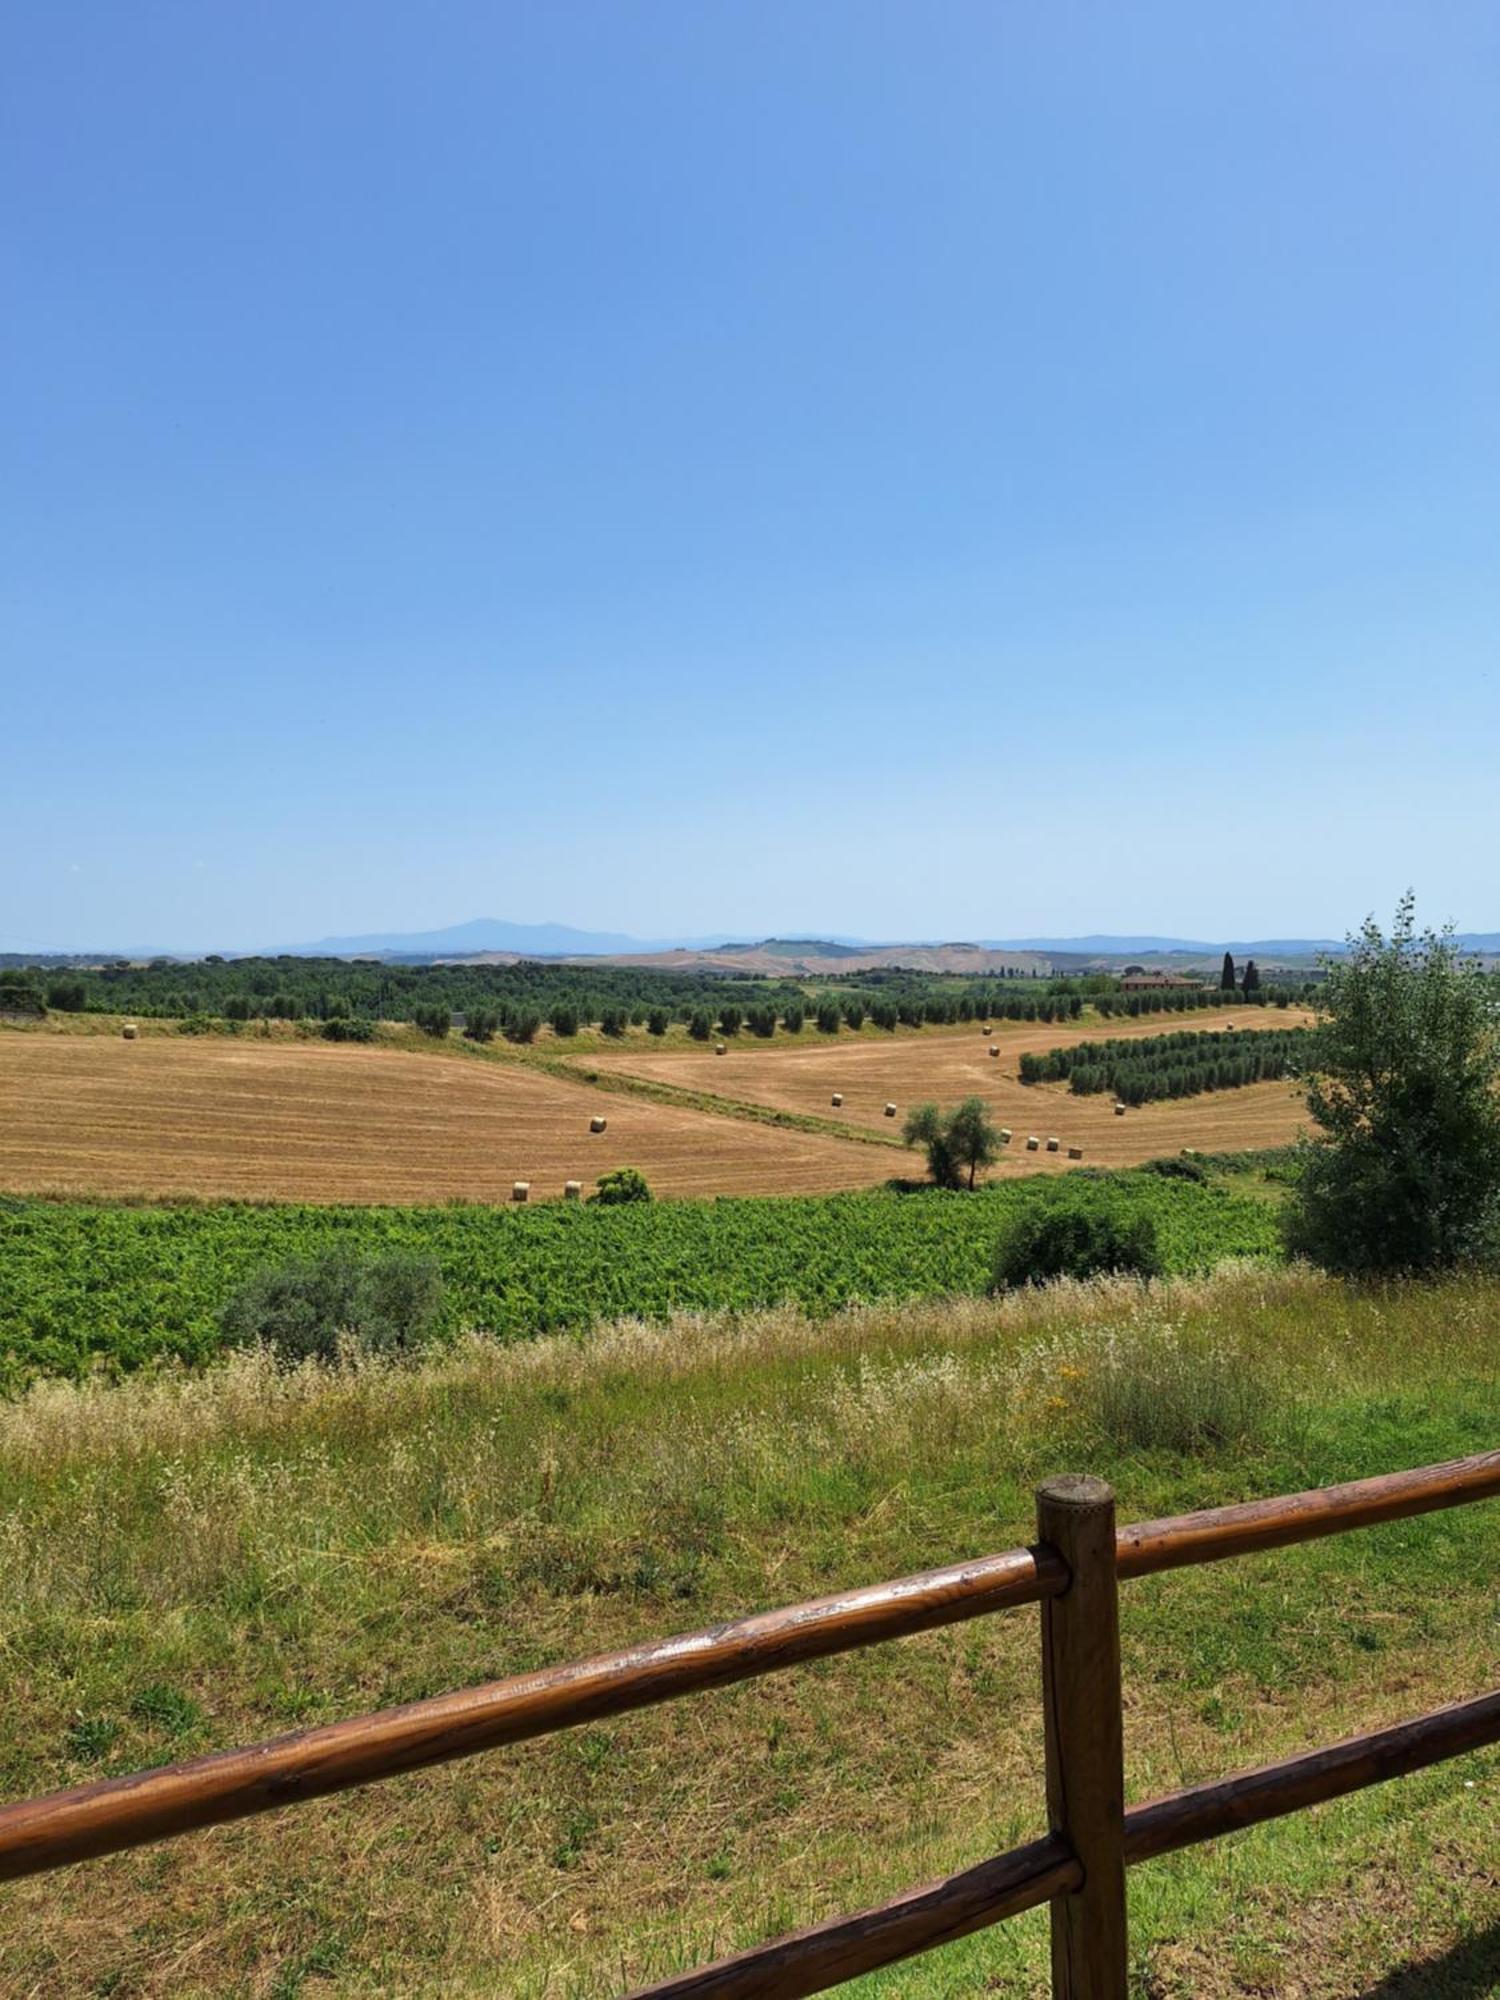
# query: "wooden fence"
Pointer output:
{"type": "Point", "coordinates": [1078, 1867]}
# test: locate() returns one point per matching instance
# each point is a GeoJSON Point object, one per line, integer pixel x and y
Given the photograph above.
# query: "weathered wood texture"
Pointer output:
{"type": "Point", "coordinates": [1204, 1812]}
{"type": "Point", "coordinates": [1085, 1738]}
{"type": "Point", "coordinates": [1219, 1532]}
{"type": "Point", "coordinates": [44, 1833]}
{"type": "Point", "coordinates": [812, 1960]}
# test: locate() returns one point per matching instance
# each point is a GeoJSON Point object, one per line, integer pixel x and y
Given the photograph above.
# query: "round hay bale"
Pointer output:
{"type": "Point", "coordinates": [994, 1050]}
{"type": "Point", "coordinates": [837, 1099]}
{"type": "Point", "coordinates": [520, 1191]}
{"type": "Point", "coordinates": [129, 1031]}
{"type": "Point", "coordinates": [719, 1049]}
{"type": "Point", "coordinates": [572, 1190]}
{"type": "Point", "coordinates": [988, 1028]}
{"type": "Point", "coordinates": [597, 1124]}
{"type": "Point", "coordinates": [1033, 1144]}
{"type": "Point", "coordinates": [890, 1111]}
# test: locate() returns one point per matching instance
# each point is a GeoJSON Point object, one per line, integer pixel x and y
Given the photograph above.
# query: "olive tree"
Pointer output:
{"type": "Point", "coordinates": [958, 1143]}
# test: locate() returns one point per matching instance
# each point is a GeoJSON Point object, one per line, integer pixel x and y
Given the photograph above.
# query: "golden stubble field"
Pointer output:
{"type": "Point", "coordinates": [284, 1120]}
{"type": "Point", "coordinates": [222, 1118]}
{"type": "Point", "coordinates": [947, 1065]}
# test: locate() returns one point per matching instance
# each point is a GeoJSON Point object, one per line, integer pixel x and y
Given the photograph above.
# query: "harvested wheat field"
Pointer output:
{"type": "Point", "coordinates": [944, 1067]}
{"type": "Point", "coordinates": [228, 1119]}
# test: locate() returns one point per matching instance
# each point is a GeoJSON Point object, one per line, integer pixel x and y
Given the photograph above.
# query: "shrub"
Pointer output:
{"type": "Point", "coordinates": [854, 1014]}
{"type": "Point", "coordinates": [523, 1024]}
{"type": "Point", "coordinates": [1176, 1167]}
{"type": "Point", "coordinates": [433, 1020]}
{"type": "Point", "coordinates": [338, 1029]}
{"type": "Point", "coordinates": [19, 996]}
{"type": "Point", "coordinates": [658, 1021]}
{"type": "Point", "coordinates": [564, 1021]}
{"type": "Point", "coordinates": [68, 996]}
{"type": "Point", "coordinates": [480, 1024]}
{"type": "Point", "coordinates": [614, 1021]}
{"type": "Point", "coordinates": [1073, 1241]}
{"type": "Point", "coordinates": [792, 1020]}
{"type": "Point", "coordinates": [762, 1022]}
{"type": "Point", "coordinates": [308, 1310]}
{"type": "Point", "coordinates": [731, 1020]}
{"type": "Point", "coordinates": [623, 1185]}
{"type": "Point", "coordinates": [830, 1019]}
{"type": "Point", "coordinates": [701, 1024]}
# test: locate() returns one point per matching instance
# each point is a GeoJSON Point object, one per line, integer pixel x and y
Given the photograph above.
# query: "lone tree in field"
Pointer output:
{"type": "Point", "coordinates": [1226, 976]}
{"type": "Point", "coordinates": [958, 1142]}
{"type": "Point", "coordinates": [1251, 981]}
{"type": "Point", "coordinates": [1403, 1075]}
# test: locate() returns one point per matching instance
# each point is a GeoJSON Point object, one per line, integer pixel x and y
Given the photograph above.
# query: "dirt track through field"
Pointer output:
{"type": "Point", "coordinates": [278, 1121]}
{"type": "Point", "coordinates": [946, 1066]}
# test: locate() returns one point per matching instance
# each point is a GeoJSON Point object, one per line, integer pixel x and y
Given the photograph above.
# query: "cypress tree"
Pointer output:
{"type": "Point", "coordinates": [1226, 977]}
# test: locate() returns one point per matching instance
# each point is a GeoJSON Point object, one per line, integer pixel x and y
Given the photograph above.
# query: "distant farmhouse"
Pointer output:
{"type": "Point", "coordinates": [1136, 979]}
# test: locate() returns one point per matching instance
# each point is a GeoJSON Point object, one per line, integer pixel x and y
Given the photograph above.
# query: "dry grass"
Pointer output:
{"type": "Point", "coordinates": [195, 1561]}
{"type": "Point", "coordinates": [216, 1116]}
{"type": "Point", "coordinates": [944, 1066]}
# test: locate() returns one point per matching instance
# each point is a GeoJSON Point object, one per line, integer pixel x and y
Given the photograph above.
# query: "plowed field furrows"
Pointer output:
{"type": "Point", "coordinates": [944, 1067]}
{"type": "Point", "coordinates": [227, 1119]}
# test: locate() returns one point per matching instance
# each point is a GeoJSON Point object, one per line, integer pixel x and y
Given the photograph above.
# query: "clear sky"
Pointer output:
{"type": "Point", "coordinates": [953, 469]}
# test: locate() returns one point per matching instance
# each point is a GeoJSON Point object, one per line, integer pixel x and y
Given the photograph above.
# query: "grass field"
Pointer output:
{"type": "Point", "coordinates": [197, 1561]}
{"type": "Point", "coordinates": [946, 1065]}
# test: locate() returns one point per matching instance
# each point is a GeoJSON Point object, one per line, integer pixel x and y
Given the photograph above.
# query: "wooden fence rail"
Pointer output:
{"type": "Point", "coordinates": [1073, 1571]}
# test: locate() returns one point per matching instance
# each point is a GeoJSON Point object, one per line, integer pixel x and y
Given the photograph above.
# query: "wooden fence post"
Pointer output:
{"type": "Point", "coordinates": [1085, 1737]}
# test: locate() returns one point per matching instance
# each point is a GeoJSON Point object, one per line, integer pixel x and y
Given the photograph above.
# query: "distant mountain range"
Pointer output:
{"type": "Point", "coordinates": [494, 934]}
{"type": "Point", "coordinates": [496, 939]}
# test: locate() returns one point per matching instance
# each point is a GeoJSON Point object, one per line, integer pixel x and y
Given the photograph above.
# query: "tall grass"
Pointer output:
{"type": "Point", "coordinates": [192, 1560]}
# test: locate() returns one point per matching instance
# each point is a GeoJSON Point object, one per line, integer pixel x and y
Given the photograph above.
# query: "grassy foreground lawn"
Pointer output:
{"type": "Point", "coordinates": [192, 1562]}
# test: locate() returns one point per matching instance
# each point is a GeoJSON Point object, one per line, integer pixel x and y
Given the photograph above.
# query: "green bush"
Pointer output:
{"type": "Point", "coordinates": [564, 1021]}
{"type": "Point", "coordinates": [623, 1185]}
{"type": "Point", "coordinates": [350, 1029]}
{"type": "Point", "coordinates": [435, 1021]}
{"type": "Point", "coordinates": [308, 1310]}
{"type": "Point", "coordinates": [658, 1021]}
{"type": "Point", "coordinates": [1075, 1241]}
{"type": "Point", "coordinates": [68, 996]}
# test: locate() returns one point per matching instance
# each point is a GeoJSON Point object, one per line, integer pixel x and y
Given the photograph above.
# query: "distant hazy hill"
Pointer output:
{"type": "Point", "coordinates": [494, 934]}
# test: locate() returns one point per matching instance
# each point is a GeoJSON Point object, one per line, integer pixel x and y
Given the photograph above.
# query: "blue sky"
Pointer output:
{"type": "Point", "coordinates": [951, 470]}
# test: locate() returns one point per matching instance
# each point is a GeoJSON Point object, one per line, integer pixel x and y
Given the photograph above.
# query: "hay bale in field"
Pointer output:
{"type": "Point", "coordinates": [130, 1031]}
{"type": "Point", "coordinates": [719, 1049]}
{"type": "Point", "coordinates": [572, 1190]}
{"type": "Point", "coordinates": [1051, 1145]}
{"type": "Point", "coordinates": [597, 1124]}
{"type": "Point", "coordinates": [1119, 1111]}
{"type": "Point", "coordinates": [994, 1049]}
{"type": "Point", "coordinates": [1075, 1152]}
{"type": "Point", "coordinates": [520, 1191]}
{"type": "Point", "coordinates": [890, 1111]}
{"type": "Point", "coordinates": [837, 1099]}
{"type": "Point", "coordinates": [988, 1028]}
{"type": "Point", "coordinates": [1033, 1143]}
{"type": "Point", "coordinates": [1005, 1135]}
